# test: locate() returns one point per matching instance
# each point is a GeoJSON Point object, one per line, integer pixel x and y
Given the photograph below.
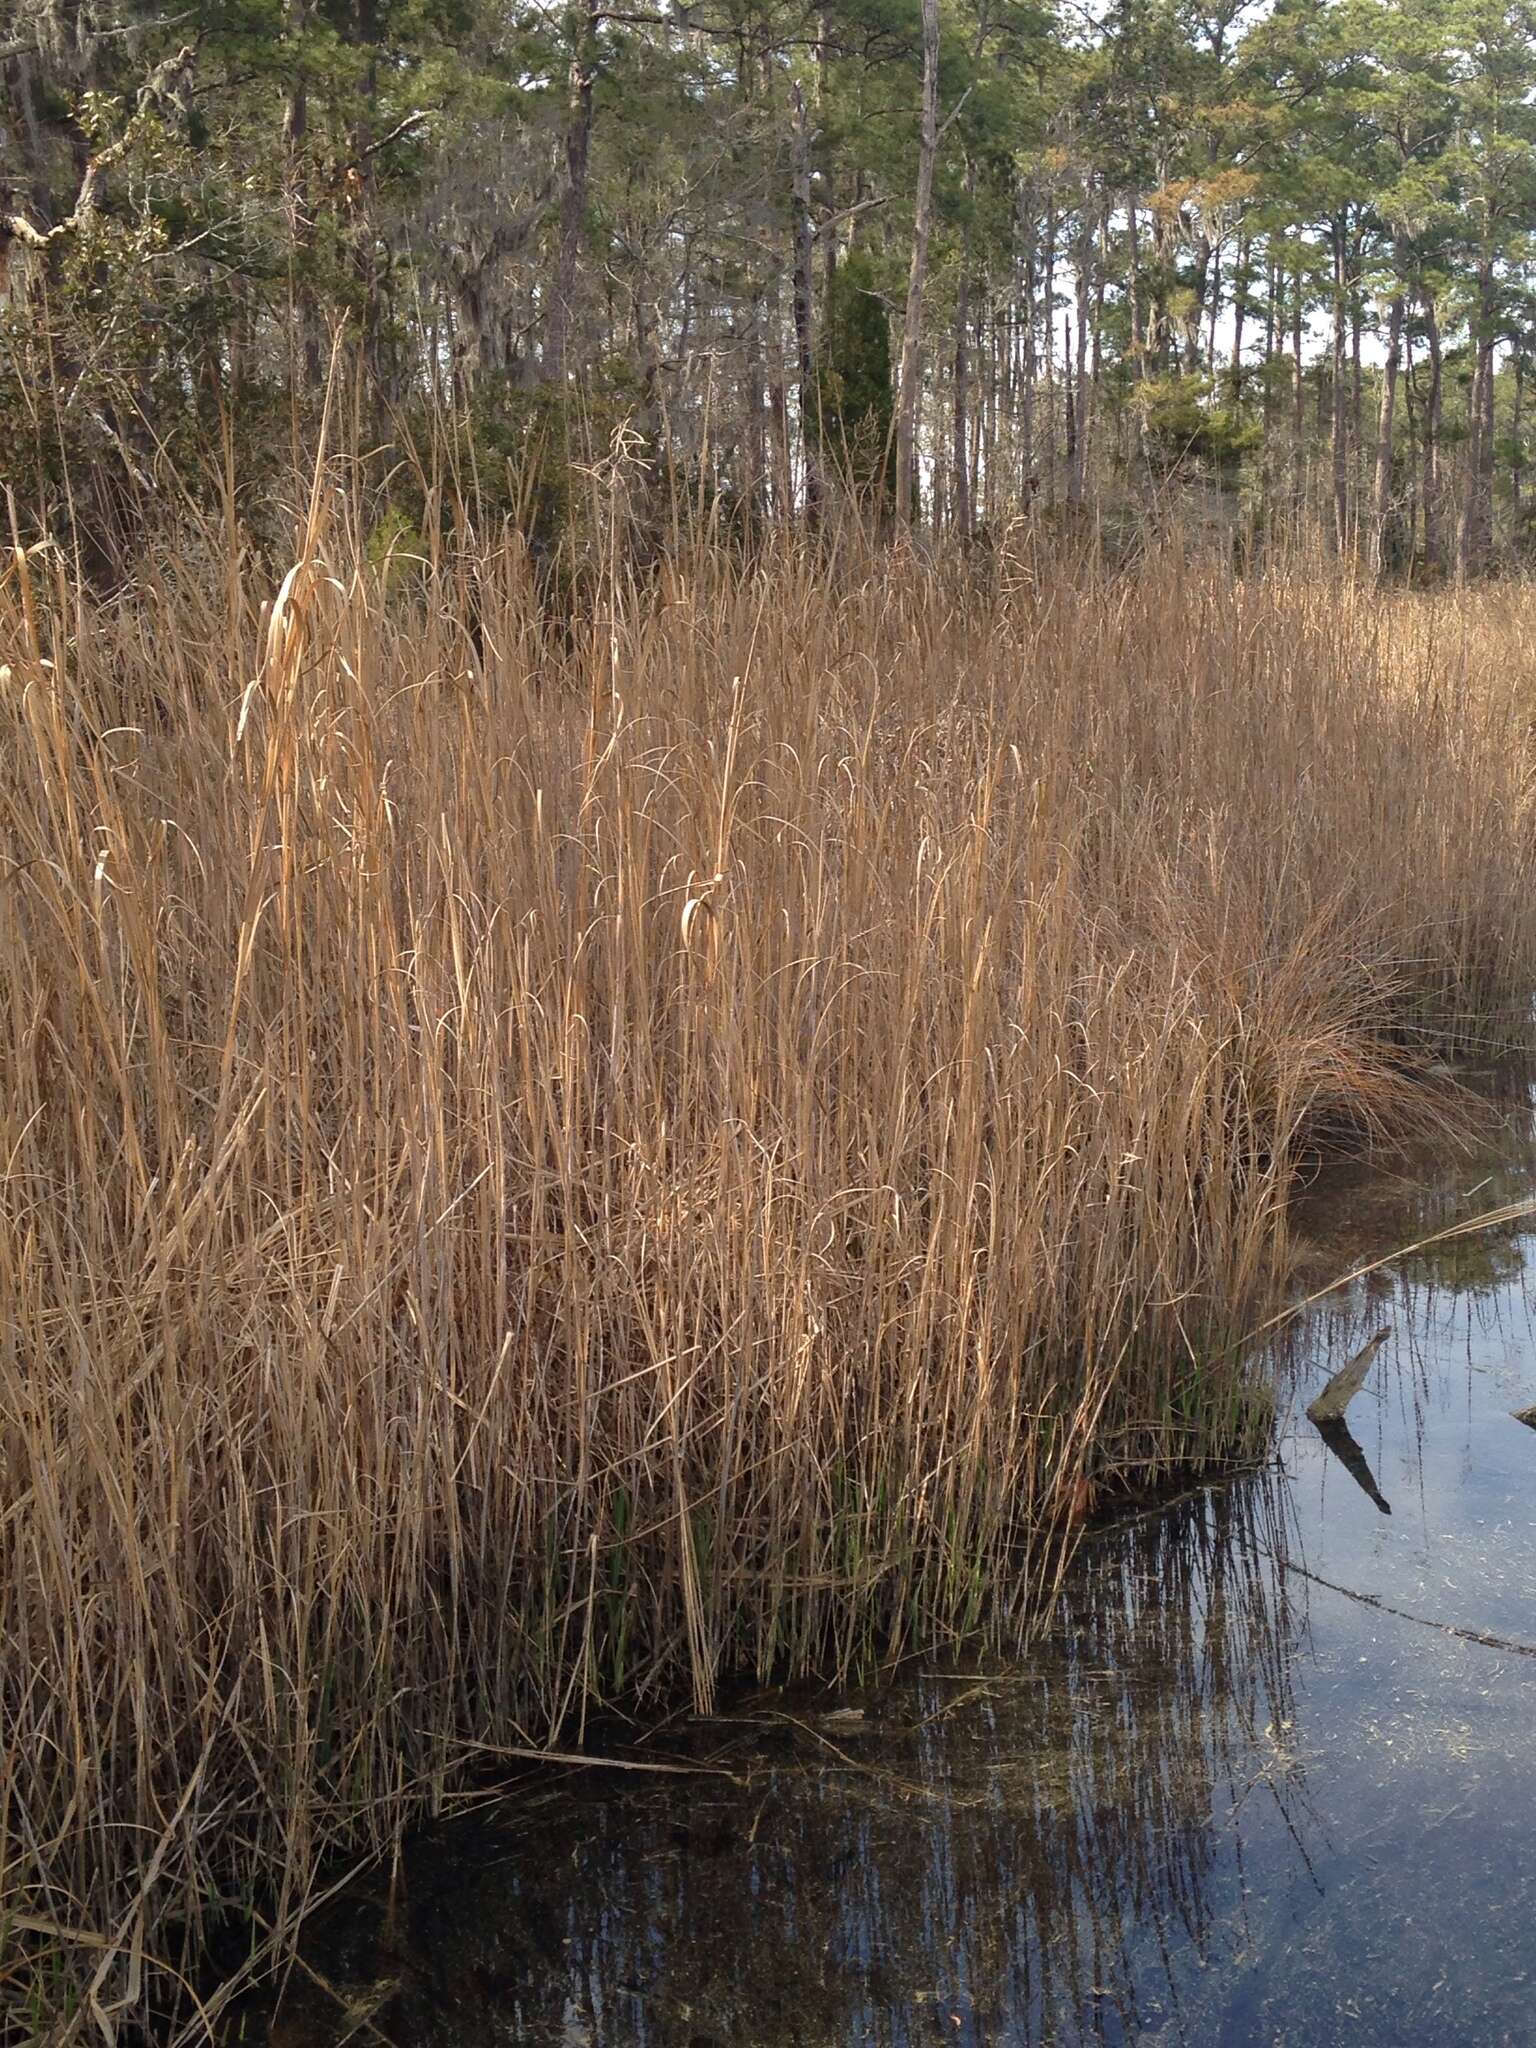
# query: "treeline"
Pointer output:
{"type": "Point", "coordinates": [958, 257]}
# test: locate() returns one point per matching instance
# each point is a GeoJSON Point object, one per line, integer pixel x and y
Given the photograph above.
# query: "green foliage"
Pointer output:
{"type": "Point", "coordinates": [395, 547]}
{"type": "Point", "coordinates": [855, 398]}
{"type": "Point", "coordinates": [1181, 426]}
{"type": "Point", "coordinates": [439, 177]}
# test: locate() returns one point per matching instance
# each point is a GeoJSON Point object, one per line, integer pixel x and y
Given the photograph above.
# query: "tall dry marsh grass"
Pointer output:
{"type": "Point", "coordinates": [542, 1167]}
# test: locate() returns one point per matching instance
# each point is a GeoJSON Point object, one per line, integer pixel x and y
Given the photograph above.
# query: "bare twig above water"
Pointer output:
{"type": "Point", "coordinates": [1488, 1219]}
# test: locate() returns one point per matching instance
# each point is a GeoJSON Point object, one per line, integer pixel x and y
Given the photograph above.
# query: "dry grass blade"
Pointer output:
{"type": "Point", "coordinates": [1468, 1226]}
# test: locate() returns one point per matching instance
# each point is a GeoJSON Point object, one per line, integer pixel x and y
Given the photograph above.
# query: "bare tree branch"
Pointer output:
{"type": "Point", "coordinates": [402, 127]}
{"type": "Point", "coordinates": [22, 46]}
{"type": "Point", "coordinates": [163, 86]}
{"type": "Point", "coordinates": [843, 213]}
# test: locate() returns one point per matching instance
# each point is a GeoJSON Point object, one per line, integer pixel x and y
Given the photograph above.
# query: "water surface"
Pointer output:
{"type": "Point", "coordinates": [1269, 1777]}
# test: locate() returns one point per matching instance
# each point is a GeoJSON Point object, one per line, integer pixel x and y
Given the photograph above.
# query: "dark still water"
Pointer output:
{"type": "Point", "coordinates": [1250, 1787]}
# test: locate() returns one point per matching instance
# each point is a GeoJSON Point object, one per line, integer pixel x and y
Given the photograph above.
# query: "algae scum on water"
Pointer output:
{"type": "Point", "coordinates": [1269, 1776]}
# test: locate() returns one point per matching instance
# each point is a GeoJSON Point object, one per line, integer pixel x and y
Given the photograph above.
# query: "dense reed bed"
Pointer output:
{"type": "Point", "coordinates": [544, 1166]}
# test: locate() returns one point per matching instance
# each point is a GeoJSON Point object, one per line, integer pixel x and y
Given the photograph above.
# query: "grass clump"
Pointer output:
{"type": "Point", "coordinates": [542, 1166]}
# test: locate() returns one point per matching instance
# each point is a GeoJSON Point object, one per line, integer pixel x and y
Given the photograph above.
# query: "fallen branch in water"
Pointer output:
{"type": "Point", "coordinates": [1346, 1383]}
{"type": "Point", "coordinates": [578, 1761]}
{"type": "Point", "coordinates": [1445, 1628]}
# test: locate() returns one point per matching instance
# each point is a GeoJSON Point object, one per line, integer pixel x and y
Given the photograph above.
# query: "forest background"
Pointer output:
{"type": "Point", "coordinates": [961, 258]}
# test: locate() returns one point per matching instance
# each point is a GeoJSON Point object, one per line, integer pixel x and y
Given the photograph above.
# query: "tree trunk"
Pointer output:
{"type": "Point", "coordinates": [1410, 387]}
{"type": "Point", "coordinates": [1096, 343]}
{"type": "Point", "coordinates": [371, 275]}
{"type": "Point", "coordinates": [1069, 406]}
{"type": "Point", "coordinates": [981, 408]}
{"type": "Point", "coordinates": [917, 274]}
{"type": "Point", "coordinates": [1083, 264]}
{"type": "Point", "coordinates": [1476, 540]}
{"type": "Point", "coordinates": [1133, 291]}
{"type": "Point", "coordinates": [1486, 451]}
{"type": "Point", "coordinates": [1048, 366]}
{"type": "Point", "coordinates": [962, 372]}
{"type": "Point", "coordinates": [1267, 390]}
{"type": "Point", "coordinates": [1434, 559]}
{"type": "Point", "coordinates": [1468, 560]}
{"type": "Point", "coordinates": [301, 297]}
{"type": "Point", "coordinates": [1356, 369]}
{"type": "Point", "coordinates": [1159, 323]}
{"type": "Point", "coordinates": [829, 167]}
{"type": "Point", "coordinates": [989, 461]}
{"type": "Point", "coordinates": [573, 200]}
{"type": "Point", "coordinates": [1298, 401]}
{"type": "Point", "coordinates": [1196, 315]}
{"type": "Point", "coordinates": [778, 400]}
{"type": "Point", "coordinates": [1381, 550]}
{"type": "Point", "coordinates": [1214, 316]}
{"type": "Point", "coordinates": [1338, 424]}
{"type": "Point", "coordinates": [1242, 281]}
{"type": "Point", "coordinates": [805, 304]}
{"type": "Point", "coordinates": [1029, 369]}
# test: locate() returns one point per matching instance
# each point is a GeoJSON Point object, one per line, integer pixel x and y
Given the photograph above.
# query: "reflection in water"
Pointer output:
{"type": "Point", "coordinates": [971, 1849]}
{"type": "Point", "coordinates": [1336, 1436]}
{"type": "Point", "coordinates": [1238, 1793]}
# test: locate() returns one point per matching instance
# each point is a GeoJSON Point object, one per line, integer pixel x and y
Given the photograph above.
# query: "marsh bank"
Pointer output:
{"type": "Point", "coordinates": [1267, 1777]}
